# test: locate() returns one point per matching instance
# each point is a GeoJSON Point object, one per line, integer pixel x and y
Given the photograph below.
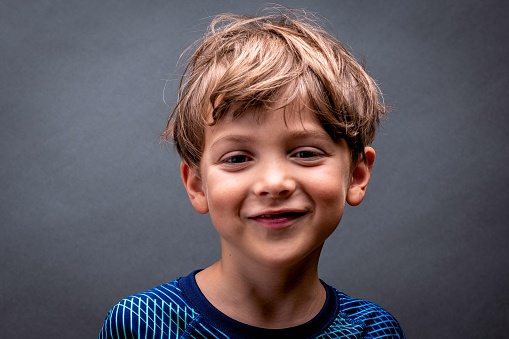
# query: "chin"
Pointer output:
{"type": "Point", "coordinates": [288, 258]}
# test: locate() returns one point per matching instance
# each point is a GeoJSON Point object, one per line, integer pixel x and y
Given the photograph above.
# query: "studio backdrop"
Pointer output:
{"type": "Point", "coordinates": [91, 204]}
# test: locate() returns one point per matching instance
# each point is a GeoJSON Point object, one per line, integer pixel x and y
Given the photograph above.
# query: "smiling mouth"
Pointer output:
{"type": "Point", "coordinates": [277, 220]}
{"type": "Point", "coordinates": [285, 215]}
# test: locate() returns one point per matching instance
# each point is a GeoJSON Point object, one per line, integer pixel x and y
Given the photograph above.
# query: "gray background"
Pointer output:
{"type": "Point", "coordinates": [91, 205]}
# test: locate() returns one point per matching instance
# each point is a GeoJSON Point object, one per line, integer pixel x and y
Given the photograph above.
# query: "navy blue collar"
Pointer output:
{"type": "Point", "coordinates": [236, 329]}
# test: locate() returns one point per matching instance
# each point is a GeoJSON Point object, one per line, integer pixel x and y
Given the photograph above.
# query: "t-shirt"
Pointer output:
{"type": "Point", "coordinates": [179, 310]}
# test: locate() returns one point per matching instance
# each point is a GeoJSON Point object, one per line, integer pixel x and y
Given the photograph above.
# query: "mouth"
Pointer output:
{"type": "Point", "coordinates": [277, 219]}
{"type": "Point", "coordinates": [292, 215]}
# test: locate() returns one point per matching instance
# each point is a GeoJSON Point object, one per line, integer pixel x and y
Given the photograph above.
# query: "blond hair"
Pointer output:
{"type": "Point", "coordinates": [244, 62]}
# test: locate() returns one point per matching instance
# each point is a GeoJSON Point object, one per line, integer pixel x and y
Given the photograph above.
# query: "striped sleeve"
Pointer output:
{"type": "Point", "coordinates": [157, 313]}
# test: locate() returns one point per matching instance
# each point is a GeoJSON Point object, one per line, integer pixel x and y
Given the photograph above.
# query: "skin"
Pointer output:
{"type": "Point", "coordinates": [275, 185]}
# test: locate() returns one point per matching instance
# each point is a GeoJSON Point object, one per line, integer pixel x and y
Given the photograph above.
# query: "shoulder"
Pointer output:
{"type": "Point", "coordinates": [163, 297]}
{"type": "Point", "coordinates": [376, 321]}
{"type": "Point", "coordinates": [160, 310]}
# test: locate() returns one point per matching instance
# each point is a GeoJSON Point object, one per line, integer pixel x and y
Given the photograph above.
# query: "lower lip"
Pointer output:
{"type": "Point", "coordinates": [276, 223]}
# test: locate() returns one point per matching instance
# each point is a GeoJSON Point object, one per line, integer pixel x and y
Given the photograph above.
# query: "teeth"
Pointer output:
{"type": "Point", "coordinates": [281, 215]}
{"type": "Point", "coordinates": [267, 216]}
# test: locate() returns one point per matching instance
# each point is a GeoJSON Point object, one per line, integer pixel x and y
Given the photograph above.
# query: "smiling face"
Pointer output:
{"type": "Point", "coordinates": [275, 185]}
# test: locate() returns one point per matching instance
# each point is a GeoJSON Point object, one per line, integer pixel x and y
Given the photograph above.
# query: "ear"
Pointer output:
{"type": "Point", "coordinates": [193, 185]}
{"type": "Point", "coordinates": [360, 177]}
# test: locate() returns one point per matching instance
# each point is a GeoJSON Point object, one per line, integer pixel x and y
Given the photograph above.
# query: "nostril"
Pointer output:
{"type": "Point", "coordinates": [275, 194]}
{"type": "Point", "coordinates": [275, 186]}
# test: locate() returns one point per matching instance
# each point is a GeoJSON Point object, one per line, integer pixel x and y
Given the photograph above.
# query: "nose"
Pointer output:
{"type": "Point", "coordinates": [274, 180]}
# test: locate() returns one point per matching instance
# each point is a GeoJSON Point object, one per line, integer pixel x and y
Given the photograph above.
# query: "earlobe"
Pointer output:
{"type": "Point", "coordinates": [360, 177]}
{"type": "Point", "coordinates": [193, 185]}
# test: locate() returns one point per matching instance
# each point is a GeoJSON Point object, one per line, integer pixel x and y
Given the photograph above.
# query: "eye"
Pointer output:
{"type": "Point", "coordinates": [236, 159]}
{"type": "Point", "coordinates": [308, 155]}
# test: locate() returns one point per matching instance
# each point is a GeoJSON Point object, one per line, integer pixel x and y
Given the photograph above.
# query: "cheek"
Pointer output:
{"type": "Point", "coordinates": [329, 185]}
{"type": "Point", "coordinates": [329, 190]}
{"type": "Point", "coordinates": [225, 198]}
{"type": "Point", "coordinates": [224, 194]}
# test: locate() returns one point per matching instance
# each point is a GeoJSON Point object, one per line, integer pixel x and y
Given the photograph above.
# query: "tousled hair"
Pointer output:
{"type": "Point", "coordinates": [244, 62]}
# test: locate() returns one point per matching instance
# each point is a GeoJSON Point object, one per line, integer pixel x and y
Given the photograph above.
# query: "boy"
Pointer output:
{"type": "Point", "coordinates": [273, 123]}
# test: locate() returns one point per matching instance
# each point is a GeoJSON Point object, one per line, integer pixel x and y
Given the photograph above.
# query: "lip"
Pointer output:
{"type": "Point", "coordinates": [277, 219]}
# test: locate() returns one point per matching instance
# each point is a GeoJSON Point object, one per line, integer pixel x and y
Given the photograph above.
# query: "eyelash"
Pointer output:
{"type": "Point", "coordinates": [302, 155]}
{"type": "Point", "coordinates": [310, 154]}
{"type": "Point", "coordinates": [230, 159]}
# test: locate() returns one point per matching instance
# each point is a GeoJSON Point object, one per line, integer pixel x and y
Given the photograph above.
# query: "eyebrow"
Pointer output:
{"type": "Point", "coordinates": [311, 134]}
{"type": "Point", "coordinates": [293, 135]}
{"type": "Point", "coordinates": [233, 138]}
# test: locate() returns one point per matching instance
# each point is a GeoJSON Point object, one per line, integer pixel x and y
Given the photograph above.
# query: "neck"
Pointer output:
{"type": "Point", "coordinates": [267, 297]}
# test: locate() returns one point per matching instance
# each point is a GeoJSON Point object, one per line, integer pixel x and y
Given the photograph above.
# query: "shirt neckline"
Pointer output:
{"type": "Point", "coordinates": [234, 328]}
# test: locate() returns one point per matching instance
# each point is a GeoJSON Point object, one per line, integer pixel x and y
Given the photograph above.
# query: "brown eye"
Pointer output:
{"type": "Point", "coordinates": [236, 159]}
{"type": "Point", "coordinates": [306, 154]}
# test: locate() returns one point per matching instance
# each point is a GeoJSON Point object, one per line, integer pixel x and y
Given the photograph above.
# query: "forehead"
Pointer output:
{"type": "Point", "coordinates": [291, 99]}
{"type": "Point", "coordinates": [287, 112]}
{"type": "Point", "coordinates": [295, 119]}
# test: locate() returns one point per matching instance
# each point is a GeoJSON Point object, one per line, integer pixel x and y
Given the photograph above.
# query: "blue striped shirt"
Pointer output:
{"type": "Point", "coordinates": [179, 310]}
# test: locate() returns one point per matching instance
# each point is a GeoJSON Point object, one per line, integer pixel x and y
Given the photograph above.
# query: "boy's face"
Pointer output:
{"type": "Point", "coordinates": [275, 185]}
